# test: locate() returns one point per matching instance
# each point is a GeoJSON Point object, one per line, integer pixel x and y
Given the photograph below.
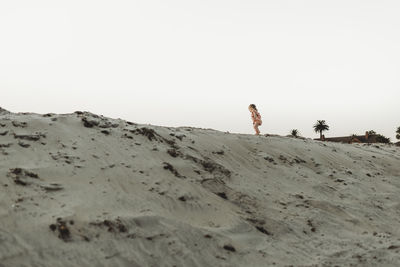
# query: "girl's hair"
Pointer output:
{"type": "Point", "coordinates": [253, 106]}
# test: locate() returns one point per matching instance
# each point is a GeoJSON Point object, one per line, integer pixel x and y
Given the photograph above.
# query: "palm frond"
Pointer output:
{"type": "Point", "coordinates": [295, 132]}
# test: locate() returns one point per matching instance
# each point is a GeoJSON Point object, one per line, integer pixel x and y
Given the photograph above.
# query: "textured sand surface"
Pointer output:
{"type": "Point", "coordinates": [84, 190]}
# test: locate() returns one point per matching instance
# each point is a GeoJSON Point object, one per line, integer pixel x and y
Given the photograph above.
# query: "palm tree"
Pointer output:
{"type": "Point", "coordinates": [295, 133]}
{"type": "Point", "coordinates": [320, 127]}
{"type": "Point", "coordinates": [398, 133]}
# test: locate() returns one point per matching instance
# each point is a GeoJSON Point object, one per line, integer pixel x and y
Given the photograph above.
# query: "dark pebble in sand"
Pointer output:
{"type": "Point", "coordinates": [24, 145]}
{"type": "Point", "coordinates": [222, 195]}
{"type": "Point", "coordinates": [173, 153]}
{"type": "Point", "coordinates": [263, 230]}
{"type": "Point", "coordinates": [220, 152]}
{"type": "Point", "coordinates": [64, 232]}
{"type": "Point", "coordinates": [299, 196]}
{"type": "Point", "coordinates": [229, 248]}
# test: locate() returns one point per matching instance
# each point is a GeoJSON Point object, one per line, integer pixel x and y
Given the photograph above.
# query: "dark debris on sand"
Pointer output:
{"type": "Point", "coordinates": [20, 176]}
{"type": "Point", "coordinates": [5, 145]}
{"type": "Point", "coordinates": [106, 132]}
{"type": "Point", "coordinates": [21, 124]}
{"type": "Point", "coordinates": [311, 225]}
{"type": "Point", "coordinates": [259, 225]}
{"type": "Point", "coordinates": [24, 145]}
{"type": "Point", "coordinates": [230, 248]}
{"type": "Point", "coordinates": [210, 166]}
{"type": "Point", "coordinates": [182, 198]}
{"type": "Point", "coordinates": [149, 133]}
{"type": "Point", "coordinates": [174, 153]}
{"type": "Point", "coordinates": [153, 135]}
{"type": "Point", "coordinates": [112, 226]}
{"type": "Point", "coordinates": [29, 137]}
{"type": "Point", "coordinates": [269, 159]}
{"type": "Point", "coordinates": [219, 152]}
{"type": "Point", "coordinates": [168, 166]}
{"type": "Point", "coordinates": [89, 123]}
{"type": "Point", "coordinates": [92, 120]}
{"type": "Point", "coordinates": [222, 195]}
{"type": "Point", "coordinates": [263, 230]}
{"type": "Point", "coordinates": [180, 137]}
{"type": "Point", "coordinates": [62, 228]}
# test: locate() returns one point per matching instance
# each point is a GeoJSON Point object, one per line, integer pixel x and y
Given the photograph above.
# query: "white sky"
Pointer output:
{"type": "Point", "coordinates": [201, 63]}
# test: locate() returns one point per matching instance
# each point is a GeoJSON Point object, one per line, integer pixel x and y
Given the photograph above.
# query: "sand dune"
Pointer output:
{"type": "Point", "coordinates": [85, 190]}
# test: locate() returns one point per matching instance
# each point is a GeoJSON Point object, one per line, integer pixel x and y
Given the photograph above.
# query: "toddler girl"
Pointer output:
{"type": "Point", "coordinates": [256, 117]}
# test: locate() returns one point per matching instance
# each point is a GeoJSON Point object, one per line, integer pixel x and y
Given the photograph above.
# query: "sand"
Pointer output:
{"type": "Point", "coordinates": [85, 190]}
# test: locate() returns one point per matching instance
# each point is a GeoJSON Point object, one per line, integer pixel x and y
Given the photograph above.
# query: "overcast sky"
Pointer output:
{"type": "Point", "coordinates": [202, 62]}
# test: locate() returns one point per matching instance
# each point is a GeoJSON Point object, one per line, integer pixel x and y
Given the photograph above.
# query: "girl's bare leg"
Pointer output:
{"type": "Point", "coordinates": [256, 128]}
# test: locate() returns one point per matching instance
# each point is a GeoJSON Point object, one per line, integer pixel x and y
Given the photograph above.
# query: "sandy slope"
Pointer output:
{"type": "Point", "coordinates": [85, 190]}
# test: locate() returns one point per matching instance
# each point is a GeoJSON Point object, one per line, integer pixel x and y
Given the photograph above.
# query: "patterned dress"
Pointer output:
{"type": "Point", "coordinates": [256, 117]}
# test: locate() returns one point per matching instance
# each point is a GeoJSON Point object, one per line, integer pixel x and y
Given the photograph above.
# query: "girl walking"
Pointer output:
{"type": "Point", "coordinates": [256, 117]}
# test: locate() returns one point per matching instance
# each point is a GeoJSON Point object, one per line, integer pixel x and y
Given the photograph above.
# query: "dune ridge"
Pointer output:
{"type": "Point", "coordinates": [86, 190]}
